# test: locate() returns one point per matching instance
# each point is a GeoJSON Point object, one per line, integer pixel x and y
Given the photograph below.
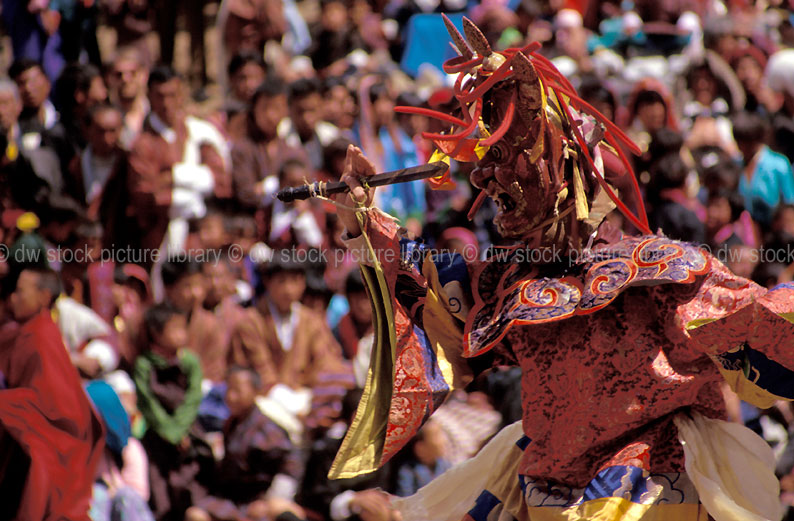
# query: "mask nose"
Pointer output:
{"type": "Point", "coordinates": [481, 176]}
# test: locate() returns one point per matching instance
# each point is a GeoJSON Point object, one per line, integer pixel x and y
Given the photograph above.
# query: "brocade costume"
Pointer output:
{"type": "Point", "coordinates": [622, 343]}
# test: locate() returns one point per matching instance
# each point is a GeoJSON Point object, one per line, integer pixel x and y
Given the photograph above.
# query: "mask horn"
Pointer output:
{"type": "Point", "coordinates": [529, 87]}
{"type": "Point", "coordinates": [460, 42]}
{"type": "Point", "coordinates": [476, 39]}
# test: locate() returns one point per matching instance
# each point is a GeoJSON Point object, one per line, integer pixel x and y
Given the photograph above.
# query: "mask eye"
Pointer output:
{"type": "Point", "coordinates": [500, 152]}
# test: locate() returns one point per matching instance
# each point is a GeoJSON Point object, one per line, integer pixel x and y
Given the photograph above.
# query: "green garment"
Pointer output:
{"type": "Point", "coordinates": [170, 427]}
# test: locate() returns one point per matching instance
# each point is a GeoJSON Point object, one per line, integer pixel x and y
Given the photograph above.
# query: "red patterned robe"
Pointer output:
{"type": "Point", "coordinates": [613, 347]}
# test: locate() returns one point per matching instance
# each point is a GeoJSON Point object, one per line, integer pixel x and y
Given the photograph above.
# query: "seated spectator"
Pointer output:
{"type": "Point", "coordinates": [779, 75]}
{"type": "Point", "coordinates": [299, 223]}
{"type": "Point", "coordinates": [50, 438]}
{"type": "Point", "coordinates": [168, 378]}
{"type": "Point", "coordinates": [175, 164]}
{"type": "Point", "coordinates": [89, 339]}
{"type": "Point", "coordinates": [132, 20]}
{"type": "Point", "coordinates": [727, 222]}
{"type": "Point", "coordinates": [257, 159]}
{"type": "Point", "coordinates": [716, 93]}
{"type": "Point", "coordinates": [390, 148]}
{"type": "Point", "coordinates": [221, 300]}
{"type": "Point", "coordinates": [247, 71]}
{"type": "Point", "coordinates": [43, 141]}
{"type": "Point", "coordinates": [340, 107]}
{"type": "Point", "coordinates": [650, 108]}
{"type": "Point", "coordinates": [248, 25]}
{"type": "Point", "coordinates": [424, 461]}
{"type": "Point", "coordinates": [305, 128]}
{"type": "Point", "coordinates": [131, 296]}
{"type": "Point", "coordinates": [333, 38]}
{"type": "Point", "coordinates": [21, 188]}
{"type": "Point", "coordinates": [355, 330]}
{"type": "Point", "coordinates": [354, 499]}
{"type": "Point", "coordinates": [122, 485]}
{"type": "Point", "coordinates": [124, 388]}
{"type": "Point", "coordinates": [307, 368]}
{"type": "Point", "coordinates": [38, 113]}
{"type": "Point", "coordinates": [748, 63]}
{"type": "Point", "coordinates": [255, 451]}
{"type": "Point", "coordinates": [77, 89]}
{"type": "Point", "coordinates": [678, 214]}
{"type": "Point", "coordinates": [185, 289]}
{"type": "Point", "coordinates": [783, 222]}
{"type": "Point", "coordinates": [767, 180]}
{"type": "Point", "coordinates": [96, 177]}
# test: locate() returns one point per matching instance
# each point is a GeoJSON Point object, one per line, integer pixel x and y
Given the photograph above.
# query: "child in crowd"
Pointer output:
{"type": "Point", "coordinates": [355, 331]}
{"type": "Point", "coordinates": [767, 180]}
{"type": "Point", "coordinates": [122, 484]}
{"type": "Point", "coordinates": [186, 289]}
{"type": "Point", "coordinates": [298, 223]}
{"type": "Point", "coordinates": [256, 450]}
{"type": "Point", "coordinates": [168, 379]}
{"type": "Point", "coordinates": [426, 460]}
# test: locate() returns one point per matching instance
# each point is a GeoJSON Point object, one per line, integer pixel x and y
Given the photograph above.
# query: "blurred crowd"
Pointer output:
{"type": "Point", "coordinates": [222, 336]}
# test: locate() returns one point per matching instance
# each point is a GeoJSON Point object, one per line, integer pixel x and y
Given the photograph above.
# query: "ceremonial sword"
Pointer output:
{"type": "Point", "coordinates": [403, 175]}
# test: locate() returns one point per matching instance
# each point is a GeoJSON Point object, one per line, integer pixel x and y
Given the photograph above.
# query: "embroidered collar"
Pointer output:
{"type": "Point", "coordinates": [518, 293]}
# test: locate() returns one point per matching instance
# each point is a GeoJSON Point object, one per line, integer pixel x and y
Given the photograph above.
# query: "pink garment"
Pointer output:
{"type": "Point", "coordinates": [135, 473]}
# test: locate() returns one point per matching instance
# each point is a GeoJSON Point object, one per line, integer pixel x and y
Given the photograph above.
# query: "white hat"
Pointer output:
{"type": "Point", "coordinates": [120, 382]}
{"type": "Point", "coordinates": [780, 71]}
{"type": "Point", "coordinates": [568, 19]}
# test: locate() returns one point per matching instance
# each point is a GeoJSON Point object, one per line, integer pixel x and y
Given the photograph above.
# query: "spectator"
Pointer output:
{"type": "Point", "coordinates": [749, 63]}
{"type": "Point", "coordinates": [391, 149]}
{"type": "Point", "coordinates": [185, 289]}
{"type": "Point", "coordinates": [300, 223]}
{"type": "Point", "coordinates": [650, 108]}
{"type": "Point", "coordinates": [307, 362]}
{"type": "Point", "coordinates": [175, 163]}
{"type": "Point", "coordinates": [305, 127]}
{"type": "Point", "coordinates": [168, 378]}
{"type": "Point", "coordinates": [131, 296]}
{"type": "Point", "coordinates": [247, 71]}
{"type": "Point", "coordinates": [126, 79]}
{"type": "Point", "coordinates": [677, 213]}
{"type": "Point", "coordinates": [21, 188]}
{"type": "Point", "coordinates": [716, 92]}
{"type": "Point", "coordinates": [333, 38]}
{"type": "Point", "coordinates": [340, 106]}
{"type": "Point", "coordinates": [780, 78]}
{"type": "Point", "coordinates": [361, 497]}
{"type": "Point", "coordinates": [33, 28]}
{"type": "Point", "coordinates": [221, 300]}
{"type": "Point", "coordinates": [257, 158]}
{"type": "Point", "coordinates": [727, 223]}
{"type": "Point", "coordinates": [51, 439]}
{"type": "Point", "coordinates": [122, 485]}
{"type": "Point", "coordinates": [355, 330]}
{"type": "Point", "coordinates": [124, 388]}
{"type": "Point", "coordinates": [100, 164]}
{"type": "Point", "coordinates": [77, 90]}
{"type": "Point", "coordinates": [248, 25]}
{"type": "Point", "coordinates": [132, 20]}
{"type": "Point", "coordinates": [767, 180]}
{"type": "Point", "coordinates": [38, 112]}
{"type": "Point", "coordinates": [255, 451]}
{"type": "Point", "coordinates": [426, 459]}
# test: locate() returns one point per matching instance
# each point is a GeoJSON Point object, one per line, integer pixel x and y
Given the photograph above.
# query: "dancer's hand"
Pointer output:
{"type": "Point", "coordinates": [357, 166]}
{"type": "Point", "coordinates": [374, 505]}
